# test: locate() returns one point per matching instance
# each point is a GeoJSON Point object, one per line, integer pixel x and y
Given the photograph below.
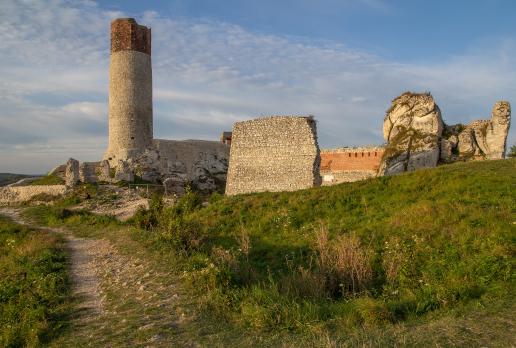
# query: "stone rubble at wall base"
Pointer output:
{"type": "Point", "coordinates": [202, 164]}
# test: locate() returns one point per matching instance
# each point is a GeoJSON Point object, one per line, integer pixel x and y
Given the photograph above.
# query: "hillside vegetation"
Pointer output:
{"type": "Point", "coordinates": [356, 263]}
{"type": "Point", "coordinates": [33, 285]}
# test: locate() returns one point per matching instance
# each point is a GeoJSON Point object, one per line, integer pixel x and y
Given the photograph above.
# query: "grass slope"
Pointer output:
{"type": "Point", "coordinates": [33, 285]}
{"type": "Point", "coordinates": [425, 258]}
{"type": "Point", "coordinates": [378, 251]}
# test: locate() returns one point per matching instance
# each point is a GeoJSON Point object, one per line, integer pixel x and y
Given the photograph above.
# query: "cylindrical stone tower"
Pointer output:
{"type": "Point", "coordinates": [130, 90]}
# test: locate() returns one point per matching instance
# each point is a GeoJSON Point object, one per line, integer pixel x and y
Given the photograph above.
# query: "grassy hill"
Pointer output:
{"type": "Point", "coordinates": [10, 178]}
{"type": "Point", "coordinates": [420, 258]}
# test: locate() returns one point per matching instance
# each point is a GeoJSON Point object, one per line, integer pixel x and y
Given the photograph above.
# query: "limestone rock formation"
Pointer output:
{"type": "Point", "coordinates": [209, 172]}
{"type": "Point", "coordinates": [72, 173]}
{"type": "Point", "coordinates": [88, 172]}
{"type": "Point", "coordinates": [481, 139]}
{"type": "Point", "coordinates": [417, 137]}
{"type": "Point", "coordinates": [104, 171]}
{"type": "Point", "coordinates": [123, 172]}
{"type": "Point", "coordinates": [147, 166]}
{"type": "Point", "coordinates": [412, 128]}
{"type": "Point", "coordinates": [174, 185]}
{"type": "Point", "coordinates": [496, 135]}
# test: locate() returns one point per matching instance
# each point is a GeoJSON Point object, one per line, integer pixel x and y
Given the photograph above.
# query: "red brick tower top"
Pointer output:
{"type": "Point", "coordinates": [127, 35]}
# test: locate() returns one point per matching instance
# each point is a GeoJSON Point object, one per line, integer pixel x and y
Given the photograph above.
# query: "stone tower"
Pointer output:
{"type": "Point", "coordinates": [130, 90]}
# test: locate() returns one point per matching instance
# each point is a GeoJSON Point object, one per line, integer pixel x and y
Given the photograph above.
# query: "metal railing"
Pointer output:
{"type": "Point", "coordinates": [148, 188]}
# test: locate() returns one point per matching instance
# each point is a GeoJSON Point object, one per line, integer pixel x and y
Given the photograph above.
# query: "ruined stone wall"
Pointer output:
{"type": "Point", "coordinates": [350, 164]}
{"type": "Point", "coordinates": [333, 178]}
{"type": "Point", "coordinates": [189, 156]}
{"type": "Point", "coordinates": [130, 90]}
{"type": "Point", "coordinates": [19, 194]}
{"type": "Point", "coordinates": [277, 153]}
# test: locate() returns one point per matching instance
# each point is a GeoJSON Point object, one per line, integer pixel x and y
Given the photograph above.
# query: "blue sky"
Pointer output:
{"type": "Point", "coordinates": [217, 62]}
{"type": "Point", "coordinates": [405, 30]}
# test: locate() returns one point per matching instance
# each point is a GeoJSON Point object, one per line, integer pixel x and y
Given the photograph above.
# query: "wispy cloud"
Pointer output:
{"type": "Point", "coordinates": [54, 60]}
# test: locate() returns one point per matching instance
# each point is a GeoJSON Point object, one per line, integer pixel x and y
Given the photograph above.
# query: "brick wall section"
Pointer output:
{"type": "Point", "coordinates": [127, 35]}
{"type": "Point", "coordinates": [361, 158]}
{"type": "Point", "coordinates": [278, 153]}
{"type": "Point", "coordinates": [350, 164]}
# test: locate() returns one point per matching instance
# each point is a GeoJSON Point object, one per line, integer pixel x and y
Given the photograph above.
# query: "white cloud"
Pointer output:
{"type": "Point", "coordinates": [207, 75]}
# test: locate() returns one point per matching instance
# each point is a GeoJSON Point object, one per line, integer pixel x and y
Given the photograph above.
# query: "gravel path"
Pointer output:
{"type": "Point", "coordinates": [85, 282]}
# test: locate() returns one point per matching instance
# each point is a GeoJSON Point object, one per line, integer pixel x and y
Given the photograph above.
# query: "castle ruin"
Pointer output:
{"type": "Point", "coordinates": [132, 149]}
{"type": "Point", "coordinates": [277, 153]}
{"type": "Point", "coordinates": [130, 90]}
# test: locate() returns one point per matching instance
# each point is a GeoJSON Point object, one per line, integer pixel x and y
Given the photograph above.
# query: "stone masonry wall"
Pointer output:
{"type": "Point", "coordinates": [24, 193]}
{"type": "Point", "coordinates": [350, 164]}
{"type": "Point", "coordinates": [278, 153]}
{"type": "Point", "coordinates": [189, 153]}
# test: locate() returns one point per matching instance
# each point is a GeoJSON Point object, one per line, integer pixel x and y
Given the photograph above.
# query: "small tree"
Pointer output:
{"type": "Point", "coordinates": [512, 151]}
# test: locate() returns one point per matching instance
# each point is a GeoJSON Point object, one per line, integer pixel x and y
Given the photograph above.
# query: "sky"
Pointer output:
{"type": "Point", "coordinates": [218, 62]}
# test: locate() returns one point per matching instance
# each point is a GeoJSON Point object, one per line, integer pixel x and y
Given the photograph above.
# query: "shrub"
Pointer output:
{"type": "Point", "coordinates": [512, 151]}
{"type": "Point", "coordinates": [149, 218]}
{"type": "Point", "coordinates": [345, 263]}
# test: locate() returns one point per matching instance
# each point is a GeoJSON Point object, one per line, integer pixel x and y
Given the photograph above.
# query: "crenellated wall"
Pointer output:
{"type": "Point", "coordinates": [350, 164]}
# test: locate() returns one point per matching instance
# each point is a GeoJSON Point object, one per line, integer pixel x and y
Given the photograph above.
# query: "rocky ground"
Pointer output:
{"type": "Point", "coordinates": [116, 201]}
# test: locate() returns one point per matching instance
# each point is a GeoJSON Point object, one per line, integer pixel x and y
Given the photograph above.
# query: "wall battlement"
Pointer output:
{"type": "Point", "coordinates": [348, 164]}
{"type": "Point", "coordinates": [127, 35]}
{"type": "Point", "coordinates": [358, 158]}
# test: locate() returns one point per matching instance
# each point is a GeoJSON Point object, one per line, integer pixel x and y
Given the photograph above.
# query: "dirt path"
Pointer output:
{"type": "Point", "coordinates": [85, 282]}
{"type": "Point", "coordinates": [119, 300]}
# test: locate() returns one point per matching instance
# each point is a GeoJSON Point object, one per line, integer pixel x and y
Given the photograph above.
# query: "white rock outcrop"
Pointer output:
{"type": "Point", "coordinates": [88, 172]}
{"type": "Point", "coordinates": [412, 128]}
{"type": "Point", "coordinates": [104, 171]}
{"type": "Point", "coordinates": [481, 139]}
{"type": "Point", "coordinates": [72, 173]}
{"type": "Point", "coordinates": [417, 136]}
{"type": "Point", "coordinates": [123, 172]}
